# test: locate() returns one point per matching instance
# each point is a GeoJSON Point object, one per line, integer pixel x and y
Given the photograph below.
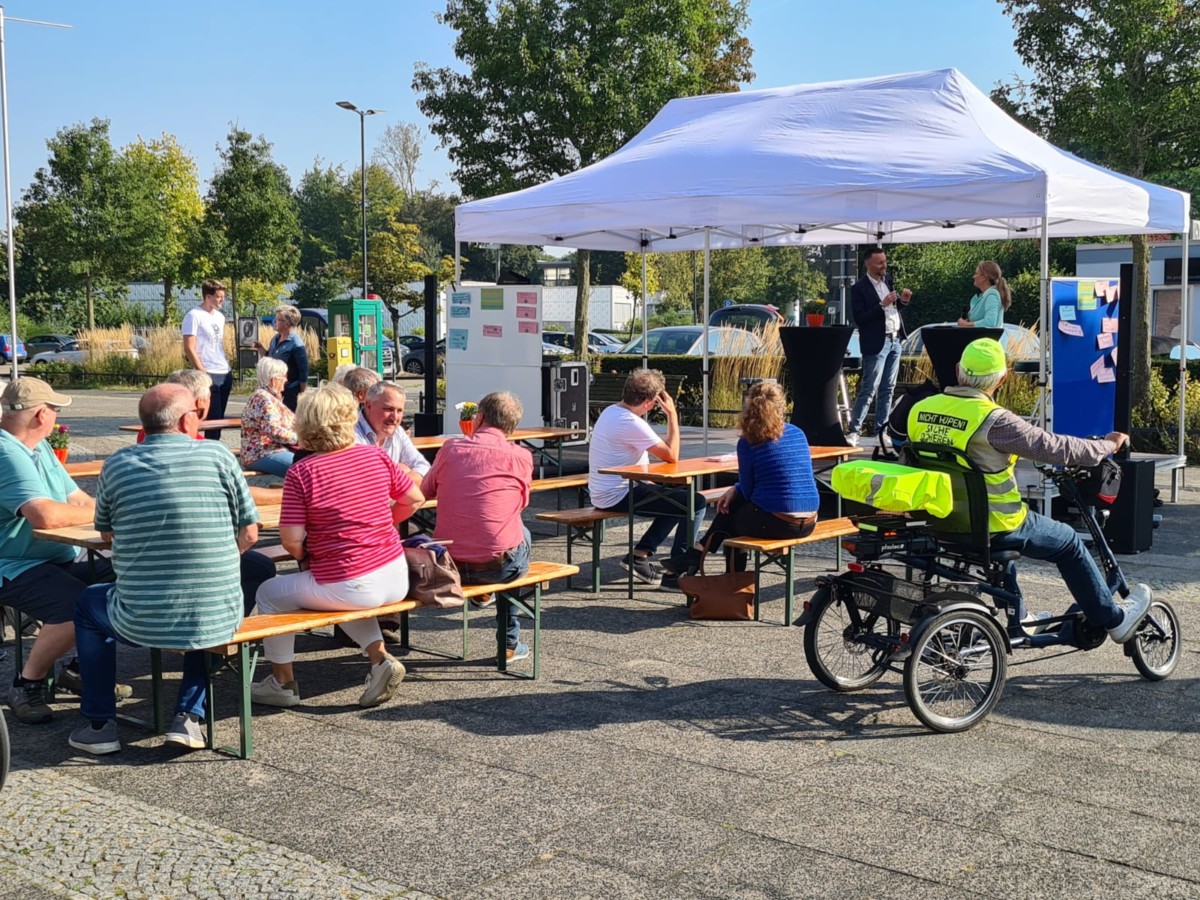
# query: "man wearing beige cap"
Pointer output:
{"type": "Point", "coordinates": [40, 578]}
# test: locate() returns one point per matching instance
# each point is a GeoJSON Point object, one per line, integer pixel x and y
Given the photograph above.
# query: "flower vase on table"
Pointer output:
{"type": "Point", "coordinates": [814, 313]}
{"type": "Point", "coordinates": [60, 441]}
{"type": "Point", "coordinates": [466, 417]}
{"type": "Point", "coordinates": [814, 320]}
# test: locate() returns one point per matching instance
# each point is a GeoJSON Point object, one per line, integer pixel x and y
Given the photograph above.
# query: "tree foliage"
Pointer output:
{"type": "Point", "coordinates": [251, 218]}
{"type": "Point", "coordinates": [1117, 82]}
{"type": "Point", "coordinates": [554, 85]}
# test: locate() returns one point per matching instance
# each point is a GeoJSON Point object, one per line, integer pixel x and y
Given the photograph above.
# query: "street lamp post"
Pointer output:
{"type": "Point", "coordinates": [362, 142]}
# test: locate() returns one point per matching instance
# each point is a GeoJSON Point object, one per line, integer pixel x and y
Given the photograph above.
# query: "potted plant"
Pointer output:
{"type": "Point", "coordinates": [60, 441]}
{"type": "Point", "coordinates": [814, 313]}
{"type": "Point", "coordinates": [466, 416]}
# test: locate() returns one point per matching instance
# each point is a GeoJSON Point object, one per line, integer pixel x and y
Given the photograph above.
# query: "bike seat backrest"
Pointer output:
{"type": "Point", "coordinates": [967, 523]}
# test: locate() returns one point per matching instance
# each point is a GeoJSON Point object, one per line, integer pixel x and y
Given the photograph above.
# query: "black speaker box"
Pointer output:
{"type": "Point", "coordinates": [1130, 527]}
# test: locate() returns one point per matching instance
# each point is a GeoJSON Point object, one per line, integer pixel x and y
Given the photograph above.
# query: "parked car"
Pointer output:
{"type": "Point", "coordinates": [6, 349]}
{"type": "Point", "coordinates": [1162, 346]}
{"type": "Point", "coordinates": [1020, 344]}
{"type": "Point", "coordinates": [78, 352]}
{"type": "Point", "coordinates": [688, 340]}
{"type": "Point", "coordinates": [48, 343]}
{"type": "Point", "coordinates": [597, 342]}
{"type": "Point", "coordinates": [750, 316]}
{"type": "Point", "coordinates": [549, 349]}
{"type": "Point", "coordinates": [413, 361]}
{"type": "Point", "coordinates": [408, 340]}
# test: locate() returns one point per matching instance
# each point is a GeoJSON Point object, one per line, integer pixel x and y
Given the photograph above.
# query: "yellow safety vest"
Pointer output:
{"type": "Point", "coordinates": [962, 420]}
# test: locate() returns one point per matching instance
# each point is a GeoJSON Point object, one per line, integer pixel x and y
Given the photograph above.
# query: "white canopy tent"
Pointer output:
{"type": "Point", "coordinates": [924, 156]}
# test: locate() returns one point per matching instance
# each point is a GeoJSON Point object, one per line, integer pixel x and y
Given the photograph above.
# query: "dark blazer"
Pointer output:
{"type": "Point", "coordinates": [292, 353]}
{"type": "Point", "coordinates": [868, 315]}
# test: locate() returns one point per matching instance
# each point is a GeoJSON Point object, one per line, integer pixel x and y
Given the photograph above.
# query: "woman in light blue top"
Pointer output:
{"type": "Point", "coordinates": [988, 306]}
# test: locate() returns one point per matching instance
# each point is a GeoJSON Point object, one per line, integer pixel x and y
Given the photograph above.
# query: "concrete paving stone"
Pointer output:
{"type": "Point", "coordinates": [1066, 718]}
{"type": "Point", "coordinates": [646, 842]}
{"type": "Point", "coordinates": [1174, 854]}
{"type": "Point", "coordinates": [1024, 869]}
{"type": "Point", "coordinates": [750, 866]}
{"type": "Point", "coordinates": [560, 875]}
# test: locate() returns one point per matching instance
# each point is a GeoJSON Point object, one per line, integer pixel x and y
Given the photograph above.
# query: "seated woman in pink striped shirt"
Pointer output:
{"type": "Point", "coordinates": [341, 505]}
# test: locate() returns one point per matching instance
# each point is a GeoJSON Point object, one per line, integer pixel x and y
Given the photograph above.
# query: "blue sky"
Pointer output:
{"type": "Point", "coordinates": [276, 67]}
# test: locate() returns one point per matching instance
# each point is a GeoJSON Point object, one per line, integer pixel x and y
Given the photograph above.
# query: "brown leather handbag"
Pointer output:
{"type": "Point", "coordinates": [728, 596]}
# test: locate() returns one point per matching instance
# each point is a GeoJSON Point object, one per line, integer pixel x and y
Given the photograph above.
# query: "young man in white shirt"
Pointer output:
{"type": "Point", "coordinates": [622, 437]}
{"type": "Point", "coordinates": [204, 347]}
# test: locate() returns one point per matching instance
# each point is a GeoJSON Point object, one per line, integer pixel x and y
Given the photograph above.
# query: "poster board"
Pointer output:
{"type": "Point", "coordinates": [1084, 355]}
{"type": "Point", "coordinates": [494, 343]}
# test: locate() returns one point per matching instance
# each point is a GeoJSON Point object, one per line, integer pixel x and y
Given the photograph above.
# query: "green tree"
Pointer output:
{"type": "Point", "coordinates": [741, 275]}
{"type": "Point", "coordinates": [791, 276]}
{"type": "Point", "coordinates": [169, 211]}
{"type": "Point", "coordinates": [680, 277]}
{"type": "Point", "coordinates": [252, 227]}
{"type": "Point", "coordinates": [81, 221]}
{"type": "Point", "coordinates": [327, 212]}
{"type": "Point", "coordinates": [1117, 82]}
{"type": "Point", "coordinates": [555, 85]}
{"type": "Point", "coordinates": [631, 280]}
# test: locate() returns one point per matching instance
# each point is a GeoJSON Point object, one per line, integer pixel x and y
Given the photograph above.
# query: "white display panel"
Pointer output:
{"type": "Point", "coordinates": [494, 343]}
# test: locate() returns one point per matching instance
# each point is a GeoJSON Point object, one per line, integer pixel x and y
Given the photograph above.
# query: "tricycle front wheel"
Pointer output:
{"type": "Point", "coordinates": [1156, 646]}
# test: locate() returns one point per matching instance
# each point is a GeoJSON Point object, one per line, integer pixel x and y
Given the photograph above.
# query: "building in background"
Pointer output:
{"type": "Point", "coordinates": [1166, 264]}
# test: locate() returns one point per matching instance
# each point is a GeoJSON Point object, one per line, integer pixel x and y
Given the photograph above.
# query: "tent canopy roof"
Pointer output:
{"type": "Point", "coordinates": [903, 158]}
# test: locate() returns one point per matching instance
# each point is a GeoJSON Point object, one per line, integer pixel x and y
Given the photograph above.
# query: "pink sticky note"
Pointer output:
{"type": "Point", "coordinates": [527, 297]}
{"type": "Point", "coordinates": [493, 331]}
{"type": "Point", "coordinates": [526, 312]}
{"type": "Point", "coordinates": [527, 327]}
{"type": "Point", "coordinates": [1108, 325]}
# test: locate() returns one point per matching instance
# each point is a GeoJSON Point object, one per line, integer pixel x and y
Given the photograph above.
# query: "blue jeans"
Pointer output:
{"type": "Point", "coordinates": [95, 642]}
{"type": "Point", "coordinates": [514, 565]}
{"type": "Point", "coordinates": [95, 646]}
{"type": "Point", "coordinates": [1039, 537]}
{"type": "Point", "coordinates": [221, 386]}
{"type": "Point", "coordinates": [276, 463]}
{"type": "Point", "coordinates": [669, 509]}
{"type": "Point", "coordinates": [879, 371]}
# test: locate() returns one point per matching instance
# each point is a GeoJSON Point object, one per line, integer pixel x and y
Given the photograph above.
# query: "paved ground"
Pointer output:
{"type": "Point", "coordinates": [656, 757]}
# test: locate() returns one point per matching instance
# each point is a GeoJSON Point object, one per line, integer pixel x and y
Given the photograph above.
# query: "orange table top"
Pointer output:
{"type": "Point", "coordinates": [686, 470]}
{"type": "Point", "coordinates": [205, 425]}
{"type": "Point", "coordinates": [435, 442]}
{"type": "Point", "coordinates": [88, 537]}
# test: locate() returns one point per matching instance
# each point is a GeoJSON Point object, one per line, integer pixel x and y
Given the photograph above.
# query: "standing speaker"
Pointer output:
{"type": "Point", "coordinates": [1130, 526]}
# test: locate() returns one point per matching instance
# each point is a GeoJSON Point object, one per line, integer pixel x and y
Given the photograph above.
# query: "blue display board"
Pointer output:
{"type": "Point", "coordinates": [1083, 355]}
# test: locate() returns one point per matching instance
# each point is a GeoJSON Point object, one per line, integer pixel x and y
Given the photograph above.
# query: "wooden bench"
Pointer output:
{"type": "Point", "coordinates": [239, 654]}
{"type": "Point", "coordinates": [769, 551]}
{"type": "Point", "coordinates": [607, 388]}
{"type": "Point", "coordinates": [587, 524]}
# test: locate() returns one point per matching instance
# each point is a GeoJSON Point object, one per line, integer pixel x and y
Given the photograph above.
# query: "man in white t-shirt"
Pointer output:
{"type": "Point", "coordinates": [622, 437]}
{"type": "Point", "coordinates": [204, 347]}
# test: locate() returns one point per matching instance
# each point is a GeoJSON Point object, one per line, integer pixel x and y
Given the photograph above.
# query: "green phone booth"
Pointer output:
{"type": "Point", "coordinates": [362, 322]}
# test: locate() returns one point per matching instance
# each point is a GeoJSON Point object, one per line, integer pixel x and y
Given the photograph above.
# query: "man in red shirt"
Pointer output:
{"type": "Point", "coordinates": [482, 484]}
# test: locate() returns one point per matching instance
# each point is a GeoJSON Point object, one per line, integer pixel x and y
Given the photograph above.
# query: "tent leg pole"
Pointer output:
{"type": "Point", "coordinates": [645, 315]}
{"type": "Point", "coordinates": [704, 367]}
{"type": "Point", "coordinates": [1185, 325]}
{"type": "Point", "coordinates": [457, 262]}
{"type": "Point", "coordinates": [1047, 327]}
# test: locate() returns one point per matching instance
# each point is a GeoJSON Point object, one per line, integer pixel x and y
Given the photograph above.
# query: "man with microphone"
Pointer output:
{"type": "Point", "coordinates": [876, 307]}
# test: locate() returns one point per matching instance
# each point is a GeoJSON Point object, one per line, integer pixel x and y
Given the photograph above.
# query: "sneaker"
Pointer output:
{"type": "Point", "coordinates": [1035, 623]}
{"type": "Point", "coordinates": [98, 741]}
{"type": "Point", "coordinates": [385, 676]}
{"type": "Point", "coordinates": [1136, 605]}
{"type": "Point", "coordinates": [28, 703]}
{"type": "Point", "coordinates": [483, 601]}
{"type": "Point", "coordinates": [670, 582]}
{"type": "Point", "coordinates": [186, 732]}
{"type": "Point", "coordinates": [68, 680]}
{"type": "Point", "coordinates": [852, 438]}
{"type": "Point", "coordinates": [643, 569]}
{"type": "Point", "coordinates": [517, 653]}
{"type": "Point", "coordinates": [269, 692]}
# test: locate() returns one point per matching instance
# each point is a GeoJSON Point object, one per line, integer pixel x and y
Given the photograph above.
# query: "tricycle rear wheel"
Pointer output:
{"type": "Point", "coordinates": [834, 642]}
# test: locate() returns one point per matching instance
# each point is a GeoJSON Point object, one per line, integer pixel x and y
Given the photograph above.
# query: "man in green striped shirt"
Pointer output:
{"type": "Point", "coordinates": [179, 514]}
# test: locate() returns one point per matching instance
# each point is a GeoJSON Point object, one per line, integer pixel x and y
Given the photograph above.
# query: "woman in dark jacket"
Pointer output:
{"type": "Point", "coordinates": [288, 347]}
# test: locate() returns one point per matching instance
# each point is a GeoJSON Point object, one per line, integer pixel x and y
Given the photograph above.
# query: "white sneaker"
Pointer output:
{"type": "Point", "coordinates": [852, 438]}
{"type": "Point", "coordinates": [186, 732]}
{"type": "Point", "coordinates": [1136, 605]}
{"type": "Point", "coordinates": [269, 692]}
{"type": "Point", "coordinates": [384, 678]}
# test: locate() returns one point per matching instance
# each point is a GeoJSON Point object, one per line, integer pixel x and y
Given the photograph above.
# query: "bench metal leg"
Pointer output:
{"type": "Point", "coordinates": [597, 540]}
{"type": "Point", "coordinates": [518, 603]}
{"type": "Point", "coordinates": [789, 574]}
{"type": "Point", "coordinates": [757, 582]}
{"type": "Point", "coordinates": [407, 645]}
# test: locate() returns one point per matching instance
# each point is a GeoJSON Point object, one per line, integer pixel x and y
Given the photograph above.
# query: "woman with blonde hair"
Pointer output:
{"type": "Point", "coordinates": [268, 427]}
{"type": "Point", "coordinates": [776, 494]}
{"type": "Point", "coordinates": [988, 306]}
{"type": "Point", "coordinates": [288, 347]}
{"type": "Point", "coordinates": [341, 505]}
